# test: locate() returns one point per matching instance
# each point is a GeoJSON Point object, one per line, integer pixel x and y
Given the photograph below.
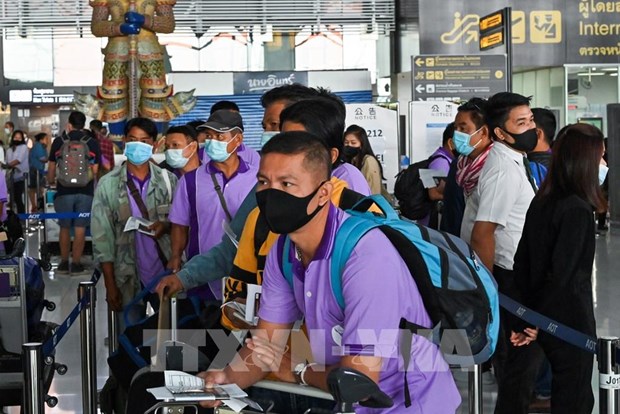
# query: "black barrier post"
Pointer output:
{"type": "Point", "coordinates": [33, 378]}
{"type": "Point", "coordinates": [609, 379]}
{"type": "Point", "coordinates": [474, 391]}
{"type": "Point", "coordinates": [88, 342]}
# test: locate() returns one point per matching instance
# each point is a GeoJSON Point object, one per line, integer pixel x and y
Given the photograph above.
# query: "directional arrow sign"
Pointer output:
{"type": "Point", "coordinates": [457, 77]}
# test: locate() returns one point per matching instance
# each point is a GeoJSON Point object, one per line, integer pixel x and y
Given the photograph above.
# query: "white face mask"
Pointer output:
{"type": "Point", "coordinates": [602, 173]}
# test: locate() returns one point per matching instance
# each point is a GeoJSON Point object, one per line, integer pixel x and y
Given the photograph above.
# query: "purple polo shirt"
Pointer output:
{"type": "Point", "coordinates": [378, 290]}
{"type": "Point", "coordinates": [250, 155]}
{"type": "Point", "coordinates": [4, 196]}
{"type": "Point", "coordinates": [196, 205]}
{"type": "Point", "coordinates": [354, 177]}
{"type": "Point", "coordinates": [147, 260]}
{"type": "Point", "coordinates": [441, 163]}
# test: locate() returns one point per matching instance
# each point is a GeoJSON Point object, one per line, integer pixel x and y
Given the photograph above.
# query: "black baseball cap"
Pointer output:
{"type": "Point", "coordinates": [223, 120]}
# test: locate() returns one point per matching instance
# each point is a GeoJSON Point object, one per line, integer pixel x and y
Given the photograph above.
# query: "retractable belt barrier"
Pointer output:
{"type": "Point", "coordinates": [50, 216]}
{"type": "Point", "coordinates": [567, 334]}
{"type": "Point", "coordinates": [52, 342]}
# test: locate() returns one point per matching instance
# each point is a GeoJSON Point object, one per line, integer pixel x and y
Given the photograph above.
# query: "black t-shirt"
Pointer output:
{"type": "Point", "coordinates": [93, 146]}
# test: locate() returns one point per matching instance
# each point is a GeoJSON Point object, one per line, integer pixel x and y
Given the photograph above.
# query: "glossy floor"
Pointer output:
{"type": "Point", "coordinates": [62, 290]}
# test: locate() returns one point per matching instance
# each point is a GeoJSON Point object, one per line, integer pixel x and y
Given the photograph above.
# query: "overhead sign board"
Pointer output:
{"type": "Point", "coordinates": [39, 96]}
{"type": "Point", "coordinates": [457, 77]}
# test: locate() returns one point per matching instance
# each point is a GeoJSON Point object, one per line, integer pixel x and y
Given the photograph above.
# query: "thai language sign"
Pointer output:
{"type": "Point", "coordinates": [544, 32]}
{"type": "Point", "coordinates": [260, 82]}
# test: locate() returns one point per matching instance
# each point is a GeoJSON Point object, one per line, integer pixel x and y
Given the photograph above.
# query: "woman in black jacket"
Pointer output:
{"type": "Point", "coordinates": [553, 273]}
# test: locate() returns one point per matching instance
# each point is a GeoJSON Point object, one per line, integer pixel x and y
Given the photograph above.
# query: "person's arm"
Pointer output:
{"type": "Point", "coordinates": [94, 146]}
{"type": "Point", "coordinates": [483, 242]}
{"type": "Point", "coordinates": [218, 261]}
{"type": "Point", "coordinates": [370, 170]}
{"type": "Point", "coordinates": [178, 236]}
{"type": "Point", "coordinates": [104, 244]}
{"type": "Point", "coordinates": [51, 164]}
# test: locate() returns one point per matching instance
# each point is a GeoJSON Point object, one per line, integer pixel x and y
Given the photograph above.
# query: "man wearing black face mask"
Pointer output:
{"type": "Point", "coordinates": [495, 212]}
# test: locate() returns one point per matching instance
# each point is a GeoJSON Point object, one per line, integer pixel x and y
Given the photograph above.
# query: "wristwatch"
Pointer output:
{"type": "Point", "coordinates": [298, 370]}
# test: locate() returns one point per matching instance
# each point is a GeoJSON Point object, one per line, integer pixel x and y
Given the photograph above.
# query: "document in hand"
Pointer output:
{"type": "Point", "coordinates": [140, 224]}
{"type": "Point", "coordinates": [181, 386]}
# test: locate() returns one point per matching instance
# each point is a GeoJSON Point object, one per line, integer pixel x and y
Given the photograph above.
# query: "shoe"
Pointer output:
{"type": "Point", "coordinates": [540, 406]}
{"type": "Point", "coordinates": [63, 268]}
{"type": "Point", "coordinates": [77, 268]}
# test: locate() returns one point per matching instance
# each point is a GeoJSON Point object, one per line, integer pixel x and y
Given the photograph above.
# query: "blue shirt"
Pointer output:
{"type": "Point", "coordinates": [36, 153]}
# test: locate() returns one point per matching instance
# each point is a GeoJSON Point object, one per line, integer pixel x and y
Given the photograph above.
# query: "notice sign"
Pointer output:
{"type": "Point", "coordinates": [457, 77]}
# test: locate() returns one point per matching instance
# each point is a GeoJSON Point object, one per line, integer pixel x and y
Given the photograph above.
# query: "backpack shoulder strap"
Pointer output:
{"type": "Point", "coordinates": [347, 237]}
{"type": "Point", "coordinates": [193, 247]}
{"type": "Point", "coordinates": [168, 185]}
{"type": "Point", "coordinates": [287, 266]}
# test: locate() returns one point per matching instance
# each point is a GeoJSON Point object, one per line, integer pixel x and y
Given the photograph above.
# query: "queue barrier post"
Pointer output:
{"type": "Point", "coordinates": [112, 332]}
{"type": "Point", "coordinates": [474, 391]}
{"type": "Point", "coordinates": [33, 378]}
{"type": "Point", "coordinates": [88, 344]}
{"type": "Point", "coordinates": [609, 377]}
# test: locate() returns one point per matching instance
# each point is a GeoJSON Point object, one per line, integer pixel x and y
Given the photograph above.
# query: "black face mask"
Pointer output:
{"type": "Point", "coordinates": [524, 142]}
{"type": "Point", "coordinates": [350, 152]}
{"type": "Point", "coordinates": [284, 212]}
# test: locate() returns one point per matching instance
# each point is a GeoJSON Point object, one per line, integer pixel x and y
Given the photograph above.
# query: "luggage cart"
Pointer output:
{"type": "Point", "coordinates": [14, 331]}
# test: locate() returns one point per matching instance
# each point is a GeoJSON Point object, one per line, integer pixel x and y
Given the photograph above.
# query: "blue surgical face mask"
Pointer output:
{"type": "Point", "coordinates": [461, 142]}
{"type": "Point", "coordinates": [267, 135]}
{"type": "Point", "coordinates": [218, 150]}
{"type": "Point", "coordinates": [602, 173]}
{"type": "Point", "coordinates": [175, 158]}
{"type": "Point", "coordinates": [138, 152]}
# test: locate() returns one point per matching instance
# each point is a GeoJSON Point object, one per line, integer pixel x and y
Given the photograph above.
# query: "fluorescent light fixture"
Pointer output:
{"type": "Point", "coordinates": [590, 74]}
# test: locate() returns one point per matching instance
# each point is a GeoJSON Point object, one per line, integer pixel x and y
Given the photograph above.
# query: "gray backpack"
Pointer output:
{"type": "Point", "coordinates": [72, 163]}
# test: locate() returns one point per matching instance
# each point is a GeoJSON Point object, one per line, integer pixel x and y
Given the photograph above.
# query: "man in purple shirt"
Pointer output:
{"type": "Point", "coordinates": [210, 196]}
{"type": "Point", "coordinates": [130, 259]}
{"type": "Point", "coordinates": [294, 195]}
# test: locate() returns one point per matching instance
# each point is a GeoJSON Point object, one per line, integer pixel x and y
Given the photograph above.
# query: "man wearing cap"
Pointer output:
{"type": "Point", "coordinates": [226, 116]}
{"type": "Point", "coordinates": [211, 195]}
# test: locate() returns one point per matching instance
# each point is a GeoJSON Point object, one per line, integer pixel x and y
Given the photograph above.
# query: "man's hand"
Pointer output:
{"type": "Point", "coordinates": [129, 29]}
{"type": "Point", "coordinates": [526, 337]}
{"type": "Point", "coordinates": [271, 357]}
{"type": "Point", "coordinates": [160, 228]}
{"type": "Point", "coordinates": [136, 18]}
{"type": "Point", "coordinates": [172, 283]}
{"type": "Point", "coordinates": [213, 378]}
{"type": "Point", "coordinates": [174, 264]}
{"type": "Point", "coordinates": [114, 298]}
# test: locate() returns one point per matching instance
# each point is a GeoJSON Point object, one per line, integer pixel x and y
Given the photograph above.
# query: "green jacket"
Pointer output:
{"type": "Point", "coordinates": [110, 212]}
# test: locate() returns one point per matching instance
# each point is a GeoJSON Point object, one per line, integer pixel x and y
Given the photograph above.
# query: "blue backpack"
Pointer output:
{"type": "Point", "coordinates": [459, 293]}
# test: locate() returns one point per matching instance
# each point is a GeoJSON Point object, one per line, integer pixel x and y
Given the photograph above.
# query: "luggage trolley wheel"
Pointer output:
{"type": "Point", "coordinates": [46, 265]}
{"type": "Point", "coordinates": [49, 305]}
{"type": "Point", "coordinates": [61, 369]}
{"type": "Point", "coordinates": [51, 401]}
{"type": "Point", "coordinates": [49, 360]}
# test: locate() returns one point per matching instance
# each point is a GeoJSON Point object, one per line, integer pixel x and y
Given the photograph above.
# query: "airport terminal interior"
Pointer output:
{"type": "Point", "coordinates": [401, 67]}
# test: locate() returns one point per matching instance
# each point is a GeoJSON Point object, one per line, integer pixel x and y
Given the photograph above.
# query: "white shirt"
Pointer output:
{"type": "Point", "coordinates": [502, 196]}
{"type": "Point", "coordinates": [19, 153]}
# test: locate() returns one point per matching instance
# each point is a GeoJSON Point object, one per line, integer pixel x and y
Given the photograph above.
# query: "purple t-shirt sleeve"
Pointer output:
{"type": "Point", "coordinates": [179, 210]}
{"type": "Point", "coordinates": [441, 164]}
{"type": "Point", "coordinates": [277, 304]}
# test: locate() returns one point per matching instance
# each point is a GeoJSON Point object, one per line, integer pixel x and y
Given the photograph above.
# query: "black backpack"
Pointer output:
{"type": "Point", "coordinates": [412, 197]}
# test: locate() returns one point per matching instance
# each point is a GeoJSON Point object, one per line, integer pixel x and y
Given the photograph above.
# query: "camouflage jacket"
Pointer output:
{"type": "Point", "coordinates": [111, 210]}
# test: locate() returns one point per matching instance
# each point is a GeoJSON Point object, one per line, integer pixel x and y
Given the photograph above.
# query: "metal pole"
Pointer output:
{"type": "Point", "coordinates": [173, 319]}
{"type": "Point", "coordinates": [87, 339]}
{"type": "Point", "coordinates": [33, 378]}
{"type": "Point", "coordinates": [475, 390]}
{"type": "Point", "coordinates": [112, 332]}
{"type": "Point", "coordinates": [609, 380]}
{"type": "Point", "coordinates": [508, 42]}
{"type": "Point", "coordinates": [22, 297]}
